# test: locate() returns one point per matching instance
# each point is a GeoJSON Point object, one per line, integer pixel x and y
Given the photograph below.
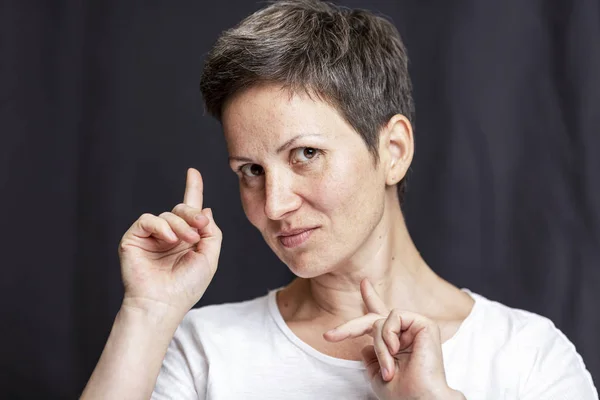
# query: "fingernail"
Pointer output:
{"type": "Point", "coordinates": [384, 373]}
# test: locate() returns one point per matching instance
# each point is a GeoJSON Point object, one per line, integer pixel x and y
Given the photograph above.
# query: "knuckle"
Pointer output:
{"type": "Point", "coordinates": [124, 245]}
{"type": "Point", "coordinates": [389, 339]}
{"type": "Point", "coordinates": [429, 322]}
{"type": "Point", "coordinates": [146, 217]}
{"type": "Point", "coordinates": [165, 215]}
{"type": "Point", "coordinates": [178, 208]}
{"type": "Point", "coordinates": [145, 221]}
{"type": "Point", "coordinates": [389, 334]}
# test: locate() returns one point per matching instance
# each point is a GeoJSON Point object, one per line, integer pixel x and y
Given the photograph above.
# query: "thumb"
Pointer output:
{"type": "Point", "coordinates": [210, 240]}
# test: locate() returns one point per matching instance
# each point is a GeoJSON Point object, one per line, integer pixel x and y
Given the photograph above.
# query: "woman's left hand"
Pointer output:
{"type": "Point", "coordinates": [405, 360]}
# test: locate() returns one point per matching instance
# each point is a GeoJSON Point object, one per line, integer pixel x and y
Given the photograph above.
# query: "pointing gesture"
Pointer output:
{"type": "Point", "coordinates": [168, 261]}
{"type": "Point", "coordinates": [194, 189]}
{"type": "Point", "coordinates": [405, 360]}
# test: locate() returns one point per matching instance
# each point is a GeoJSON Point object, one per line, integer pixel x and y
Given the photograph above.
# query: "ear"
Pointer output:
{"type": "Point", "coordinates": [397, 148]}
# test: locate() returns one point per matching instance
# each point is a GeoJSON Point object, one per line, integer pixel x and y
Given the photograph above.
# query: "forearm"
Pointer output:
{"type": "Point", "coordinates": [132, 357]}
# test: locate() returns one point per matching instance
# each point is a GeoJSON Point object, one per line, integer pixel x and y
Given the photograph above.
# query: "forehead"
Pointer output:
{"type": "Point", "coordinates": [266, 115]}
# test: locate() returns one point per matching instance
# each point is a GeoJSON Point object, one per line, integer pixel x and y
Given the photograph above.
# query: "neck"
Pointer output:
{"type": "Point", "coordinates": [389, 259]}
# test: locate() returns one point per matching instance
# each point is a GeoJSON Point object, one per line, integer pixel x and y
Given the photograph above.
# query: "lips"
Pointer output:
{"type": "Point", "coordinates": [295, 237]}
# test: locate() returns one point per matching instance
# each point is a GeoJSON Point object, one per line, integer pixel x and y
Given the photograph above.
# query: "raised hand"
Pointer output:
{"type": "Point", "coordinates": [168, 261]}
{"type": "Point", "coordinates": [405, 360]}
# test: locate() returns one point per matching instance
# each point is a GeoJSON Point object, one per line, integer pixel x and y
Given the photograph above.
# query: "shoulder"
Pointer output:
{"type": "Point", "coordinates": [506, 323]}
{"type": "Point", "coordinates": [513, 327]}
{"type": "Point", "coordinates": [222, 320]}
{"type": "Point", "coordinates": [516, 327]}
{"type": "Point", "coordinates": [532, 343]}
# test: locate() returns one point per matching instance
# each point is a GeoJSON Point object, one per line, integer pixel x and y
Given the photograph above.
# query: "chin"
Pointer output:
{"type": "Point", "coordinates": [307, 265]}
{"type": "Point", "coordinates": [306, 273]}
{"type": "Point", "coordinates": [310, 260]}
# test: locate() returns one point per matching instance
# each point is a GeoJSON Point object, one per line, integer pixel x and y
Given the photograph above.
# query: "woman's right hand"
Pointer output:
{"type": "Point", "coordinates": [168, 261]}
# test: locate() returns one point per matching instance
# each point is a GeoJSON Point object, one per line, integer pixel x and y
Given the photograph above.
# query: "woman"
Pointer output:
{"type": "Point", "coordinates": [315, 103]}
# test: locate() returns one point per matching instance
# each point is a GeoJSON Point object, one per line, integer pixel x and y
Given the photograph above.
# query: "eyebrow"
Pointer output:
{"type": "Point", "coordinates": [279, 149]}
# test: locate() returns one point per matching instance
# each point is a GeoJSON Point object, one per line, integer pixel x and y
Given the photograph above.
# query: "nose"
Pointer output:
{"type": "Point", "coordinates": [280, 198]}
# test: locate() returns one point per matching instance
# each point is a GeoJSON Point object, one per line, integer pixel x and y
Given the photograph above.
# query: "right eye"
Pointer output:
{"type": "Point", "coordinates": [252, 170]}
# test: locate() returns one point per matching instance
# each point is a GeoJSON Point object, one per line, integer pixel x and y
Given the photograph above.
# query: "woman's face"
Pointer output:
{"type": "Point", "coordinates": [307, 180]}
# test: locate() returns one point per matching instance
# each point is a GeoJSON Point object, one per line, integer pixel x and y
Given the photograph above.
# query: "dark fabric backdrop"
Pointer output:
{"type": "Point", "coordinates": [100, 115]}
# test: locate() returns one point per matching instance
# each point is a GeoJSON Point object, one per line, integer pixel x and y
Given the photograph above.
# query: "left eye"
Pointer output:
{"type": "Point", "coordinates": [304, 154]}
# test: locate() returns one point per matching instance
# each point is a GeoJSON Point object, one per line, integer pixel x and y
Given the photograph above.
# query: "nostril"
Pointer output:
{"type": "Point", "coordinates": [277, 207]}
{"type": "Point", "coordinates": [280, 197]}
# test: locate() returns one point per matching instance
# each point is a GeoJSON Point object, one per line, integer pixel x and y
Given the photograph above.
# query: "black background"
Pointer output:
{"type": "Point", "coordinates": [100, 115]}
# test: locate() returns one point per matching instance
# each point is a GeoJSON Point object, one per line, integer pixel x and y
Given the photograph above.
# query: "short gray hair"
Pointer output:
{"type": "Point", "coordinates": [351, 58]}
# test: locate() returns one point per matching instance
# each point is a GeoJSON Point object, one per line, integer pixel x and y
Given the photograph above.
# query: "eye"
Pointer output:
{"type": "Point", "coordinates": [251, 170]}
{"type": "Point", "coordinates": [303, 154]}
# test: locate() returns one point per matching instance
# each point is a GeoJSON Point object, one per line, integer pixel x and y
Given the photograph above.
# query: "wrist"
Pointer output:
{"type": "Point", "coordinates": [150, 312]}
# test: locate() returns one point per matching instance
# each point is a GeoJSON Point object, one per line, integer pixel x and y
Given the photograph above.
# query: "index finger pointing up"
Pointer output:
{"type": "Point", "coordinates": [193, 189]}
{"type": "Point", "coordinates": [371, 298]}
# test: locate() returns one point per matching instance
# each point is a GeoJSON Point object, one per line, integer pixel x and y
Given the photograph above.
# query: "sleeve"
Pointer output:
{"type": "Point", "coordinates": [184, 369]}
{"type": "Point", "coordinates": [555, 370]}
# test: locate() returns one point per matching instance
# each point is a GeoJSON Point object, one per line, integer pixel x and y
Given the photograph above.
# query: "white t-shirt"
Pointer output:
{"type": "Point", "coordinates": [246, 351]}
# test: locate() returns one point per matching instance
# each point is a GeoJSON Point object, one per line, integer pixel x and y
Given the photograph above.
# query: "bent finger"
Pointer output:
{"type": "Point", "coordinates": [391, 331]}
{"type": "Point", "coordinates": [194, 217]}
{"type": "Point", "coordinates": [386, 361]}
{"type": "Point", "coordinates": [415, 325]}
{"type": "Point", "coordinates": [181, 227]}
{"type": "Point", "coordinates": [370, 360]}
{"type": "Point", "coordinates": [150, 225]}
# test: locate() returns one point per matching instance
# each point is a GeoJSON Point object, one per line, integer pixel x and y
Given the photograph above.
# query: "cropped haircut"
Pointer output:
{"type": "Point", "coordinates": [350, 58]}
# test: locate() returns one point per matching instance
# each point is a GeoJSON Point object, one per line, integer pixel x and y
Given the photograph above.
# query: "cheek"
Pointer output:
{"type": "Point", "coordinates": [345, 185]}
{"type": "Point", "coordinates": [252, 203]}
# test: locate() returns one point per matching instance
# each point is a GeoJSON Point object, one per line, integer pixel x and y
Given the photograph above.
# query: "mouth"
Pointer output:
{"type": "Point", "coordinates": [295, 237]}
